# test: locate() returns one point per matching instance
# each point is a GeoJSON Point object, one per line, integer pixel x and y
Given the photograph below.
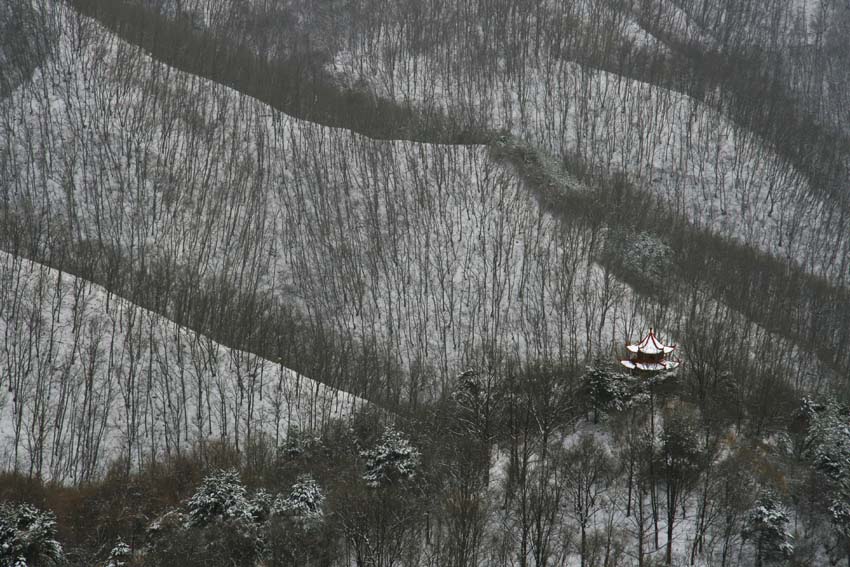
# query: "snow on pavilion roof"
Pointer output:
{"type": "Point", "coordinates": [650, 366]}
{"type": "Point", "coordinates": [650, 345]}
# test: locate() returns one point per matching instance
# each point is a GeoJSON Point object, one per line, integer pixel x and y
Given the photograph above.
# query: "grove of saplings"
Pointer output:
{"type": "Point", "coordinates": [453, 214]}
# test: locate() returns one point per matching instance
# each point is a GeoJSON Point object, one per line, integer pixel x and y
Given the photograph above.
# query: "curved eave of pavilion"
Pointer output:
{"type": "Point", "coordinates": [650, 366]}
{"type": "Point", "coordinates": [635, 349]}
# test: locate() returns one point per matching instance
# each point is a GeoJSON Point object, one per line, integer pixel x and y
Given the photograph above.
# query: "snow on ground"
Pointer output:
{"type": "Point", "coordinates": [765, 25]}
{"type": "Point", "coordinates": [676, 19]}
{"type": "Point", "coordinates": [613, 527]}
{"type": "Point", "coordinates": [698, 162]}
{"type": "Point", "coordinates": [91, 379]}
{"type": "Point", "coordinates": [809, 10]}
{"type": "Point", "coordinates": [610, 17]}
{"type": "Point", "coordinates": [432, 252]}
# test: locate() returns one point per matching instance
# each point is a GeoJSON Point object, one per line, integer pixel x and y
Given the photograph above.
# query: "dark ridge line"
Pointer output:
{"type": "Point", "coordinates": [754, 95]}
{"type": "Point", "coordinates": [25, 44]}
{"type": "Point", "coordinates": [213, 308]}
{"type": "Point", "coordinates": [298, 87]}
{"type": "Point", "coordinates": [779, 296]}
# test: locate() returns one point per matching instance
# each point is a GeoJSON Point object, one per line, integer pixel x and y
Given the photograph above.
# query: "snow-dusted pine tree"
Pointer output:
{"type": "Point", "coordinates": [679, 460]}
{"type": "Point", "coordinates": [766, 530]}
{"type": "Point", "coordinates": [28, 536]}
{"type": "Point", "coordinates": [304, 501]}
{"type": "Point", "coordinates": [392, 460]}
{"type": "Point", "coordinates": [262, 505]}
{"type": "Point", "coordinates": [120, 554]}
{"type": "Point", "coordinates": [221, 496]}
{"type": "Point", "coordinates": [839, 513]}
{"type": "Point", "coordinates": [828, 444]}
{"type": "Point", "coordinates": [222, 525]}
{"type": "Point", "coordinates": [478, 397]}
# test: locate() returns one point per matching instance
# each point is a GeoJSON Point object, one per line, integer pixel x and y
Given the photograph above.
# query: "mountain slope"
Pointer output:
{"type": "Point", "coordinates": [437, 256]}
{"type": "Point", "coordinates": [91, 379]}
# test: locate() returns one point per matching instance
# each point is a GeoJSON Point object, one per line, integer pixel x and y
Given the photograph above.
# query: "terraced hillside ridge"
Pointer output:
{"type": "Point", "coordinates": [785, 253]}
{"type": "Point", "coordinates": [698, 160]}
{"type": "Point", "coordinates": [431, 255]}
{"type": "Point", "coordinates": [92, 380]}
{"type": "Point", "coordinates": [344, 230]}
{"type": "Point", "coordinates": [380, 259]}
{"type": "Point", "coordinates": [641, 89]}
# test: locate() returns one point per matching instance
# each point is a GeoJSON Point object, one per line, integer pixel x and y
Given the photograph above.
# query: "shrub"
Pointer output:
{"type": "Point", "coordinates": [27, 536]}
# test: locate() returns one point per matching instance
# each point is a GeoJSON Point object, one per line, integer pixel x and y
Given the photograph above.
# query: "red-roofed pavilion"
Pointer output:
{"type": "Point", "coordinates": [650, 355]}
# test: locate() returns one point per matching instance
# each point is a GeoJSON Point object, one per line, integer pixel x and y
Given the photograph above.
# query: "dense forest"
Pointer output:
{"type": "Point", "coordinates": [347, 282]}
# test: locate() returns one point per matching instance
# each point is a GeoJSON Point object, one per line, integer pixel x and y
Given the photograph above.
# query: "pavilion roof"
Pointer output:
{"type": "Point", "coordinates": [650, 366]}
{"type": "Point", "coordinates": [650, 345]}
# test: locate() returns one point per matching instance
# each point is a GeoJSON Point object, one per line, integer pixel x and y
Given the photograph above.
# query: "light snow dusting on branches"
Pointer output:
{"type": "Point", "coordinates": [28, 536]}
{"type": "Point", "coordinates": [221, 496]}
{"type": "Point", "coordinates": [392, 460]}
{"type": "Point", "coordinates": [304, 501]}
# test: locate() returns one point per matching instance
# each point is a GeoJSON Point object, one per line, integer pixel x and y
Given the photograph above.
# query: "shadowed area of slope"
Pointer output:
{"type": "Point", "coordinates": [343, 252]}
{"type": "Point", "coordinates": [773, 293]}
{"type": "Point", "coordinates": [754, 92]}
{"type": "Point", "coordinates": [91, 379]}
{"type": "Point", "coordinates": [24, 43]}
{"type": "Point", "coordinates": [296, 86]}
{"type": "Point", "coordinates": [413, 258]}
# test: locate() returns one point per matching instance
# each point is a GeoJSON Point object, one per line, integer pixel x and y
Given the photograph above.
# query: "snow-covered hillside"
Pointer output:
{"type": "Point", "coordinates": [704, 166]}
{"type": "Point", "coordinates": [434, 253]}
{"type": "Point", "coordinates": [191, 276]}
{"type": "Point", "coordinates": [90, 379]}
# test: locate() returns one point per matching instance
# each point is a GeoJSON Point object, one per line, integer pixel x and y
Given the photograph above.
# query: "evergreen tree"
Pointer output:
{"type": "Point", "coordinates": [829, 441]}
{"type": "Point", "coordinates": [604, 390]}
{"type": "Point", "coordinates": [28, 536]}
{"type": "Point", "coordinates": [262, 505]}
{"type": "Point", "coordinates": [221, 526]}
{"type": "Point", "coordinates": [478, 397]}
{"type": "Point", "coordinates": [680, 460]}
{"type": "Point", "coordinates": [393, 459]}
{"type": "Point", "coordinates": [221, 496]}
{"type": "Point", "coordinates": [304, 501]}
{"type": "Point", "coordinates": [120, 554]}
{"type": "Point", "coordinates": [765, 529]}
{"type": "Point", "coordinates": [828, 445]}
